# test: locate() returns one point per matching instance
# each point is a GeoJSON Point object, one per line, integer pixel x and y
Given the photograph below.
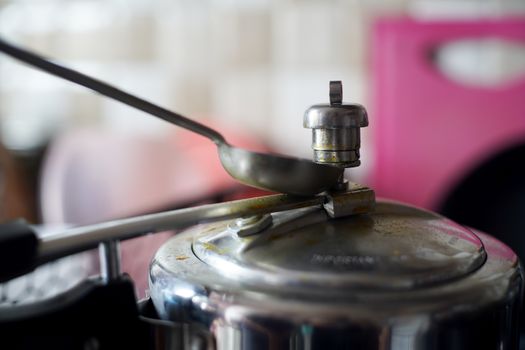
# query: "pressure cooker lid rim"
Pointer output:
{"type": "Point", "coordinates": [397, 247]}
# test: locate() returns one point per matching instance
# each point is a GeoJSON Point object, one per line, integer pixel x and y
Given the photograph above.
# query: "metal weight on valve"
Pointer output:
{"type": "Point", "coordinates": [336, 136]}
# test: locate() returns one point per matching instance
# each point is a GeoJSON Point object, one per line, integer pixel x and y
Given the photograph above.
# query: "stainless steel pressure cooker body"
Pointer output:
{"type": "Point", "coordinates": [351, 273]}
{"type": "Point", "coordinates": [395, 278]}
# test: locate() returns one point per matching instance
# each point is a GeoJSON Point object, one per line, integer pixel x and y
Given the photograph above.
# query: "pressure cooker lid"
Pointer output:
{"type": "Point", "coordinates": [395, 247]}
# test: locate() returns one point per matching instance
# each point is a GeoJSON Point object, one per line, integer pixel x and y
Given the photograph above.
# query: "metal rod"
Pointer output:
{"type": "Point", "coordinates": [109, 260]}
{"type": "Point", "coordinates": [87, 237]}
{"type": "Point", "coordinates": [108, 90]}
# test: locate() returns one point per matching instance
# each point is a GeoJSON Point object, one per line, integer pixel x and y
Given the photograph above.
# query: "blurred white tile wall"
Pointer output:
{"type": "Point", "coordinates": [256, 65]}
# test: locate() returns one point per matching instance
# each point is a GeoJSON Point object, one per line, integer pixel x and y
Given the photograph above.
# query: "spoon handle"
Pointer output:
{"type": "Point", "coordinates": [107, 90]}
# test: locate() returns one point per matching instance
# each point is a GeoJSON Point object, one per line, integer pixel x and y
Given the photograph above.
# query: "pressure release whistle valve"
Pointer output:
{"type": "Point", "coordinates": [335, 129]}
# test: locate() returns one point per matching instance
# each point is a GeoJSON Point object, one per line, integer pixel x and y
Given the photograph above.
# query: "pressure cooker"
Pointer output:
{"type": "Point", "coordinates": [323, 265]}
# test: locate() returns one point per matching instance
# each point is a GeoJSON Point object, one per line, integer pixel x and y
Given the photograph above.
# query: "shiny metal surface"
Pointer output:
{"type": "Point", "coordinates": [335, 136]}
{"type": "Point", "coordinates": [336, 92]}
{"type": "Point", "coordinates": [86, 237]}
{"type": "Point", "coordinates": [269, 292]}
{"type": "Point", "coordinates": [278, 173]}
{"type": "Point", "coordinates": [109, 253]}
{"type": "Point", "coordinates": [383, 251]}
{"type": "Point", "coordinates": [250, 225]}
{"type": "Point", "coordinates": [267, 171]}
{"type": "Point", "coordinates": [327, 116]}
{"type": "Point", "coordinates": [354, 201]}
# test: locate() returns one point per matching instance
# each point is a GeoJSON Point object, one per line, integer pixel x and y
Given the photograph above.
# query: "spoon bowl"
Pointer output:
{"type": "Point", "coordinates": [277, 173]}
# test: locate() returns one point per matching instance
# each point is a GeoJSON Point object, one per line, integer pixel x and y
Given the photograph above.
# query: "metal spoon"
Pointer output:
{"type": "Point", "coordinates": [266, 171]}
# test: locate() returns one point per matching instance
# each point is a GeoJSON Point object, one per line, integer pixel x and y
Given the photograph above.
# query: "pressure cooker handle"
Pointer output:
{"type": "Point", "coordinates": [22, 250]}
{"type": "Point", "coordinates": [18, 249]}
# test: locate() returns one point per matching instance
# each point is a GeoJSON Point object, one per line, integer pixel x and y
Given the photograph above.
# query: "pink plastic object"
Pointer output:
{"type": "Point", "coordinates": [430, 131]}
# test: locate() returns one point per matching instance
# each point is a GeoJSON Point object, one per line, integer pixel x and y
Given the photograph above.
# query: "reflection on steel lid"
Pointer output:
{"type": "Point", "coordinates": [396, 247]}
